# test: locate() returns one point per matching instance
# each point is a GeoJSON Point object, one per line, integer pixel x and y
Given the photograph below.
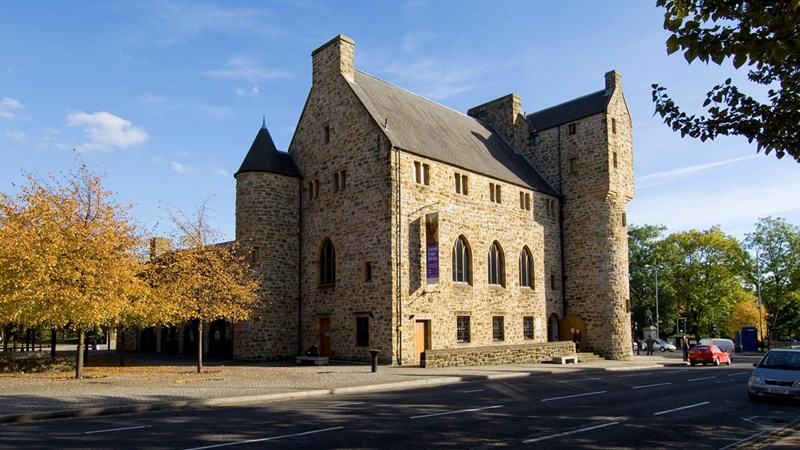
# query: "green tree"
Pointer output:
{"type": "Point", "coordinates": [645, 251]}
{"type": "Point", "coordinates": [777, 270]}
{"type": "Point", "coordinates": [762, 35]}
{"type": "Point", "coordinates": [201, 280]}
{"type": "Point", "coordinates": [706, 277]}
{"type": "Point", "coordinates": [67, 255]}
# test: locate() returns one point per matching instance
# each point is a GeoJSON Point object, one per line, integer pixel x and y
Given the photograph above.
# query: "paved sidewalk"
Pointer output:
{"type": "Point", "coordinates": [150, 382]}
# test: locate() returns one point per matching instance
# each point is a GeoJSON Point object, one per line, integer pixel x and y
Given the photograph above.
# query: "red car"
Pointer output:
{"type": "Point", "coordinates": [708, 354]}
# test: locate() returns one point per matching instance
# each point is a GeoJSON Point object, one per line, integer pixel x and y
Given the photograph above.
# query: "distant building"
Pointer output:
{"type": "Point", "coordinates": [398, 224]}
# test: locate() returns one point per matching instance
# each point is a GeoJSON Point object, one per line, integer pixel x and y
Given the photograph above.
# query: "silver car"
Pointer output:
{"type": "Point", "coordinates": [777, 375]}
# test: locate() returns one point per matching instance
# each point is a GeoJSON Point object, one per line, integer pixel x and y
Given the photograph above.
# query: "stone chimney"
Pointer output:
{"type": "Point", "coordinates": [333, 58]}
{"type": "Point", "coordinates": [506, 116]}
{"type": "Point", "coordinates": [613, 80]}
{"type": "Point", "coordinates": [159, 246]}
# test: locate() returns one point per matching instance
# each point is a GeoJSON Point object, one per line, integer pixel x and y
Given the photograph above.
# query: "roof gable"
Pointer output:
{"type": "Point", "coordinates": [426, 128]}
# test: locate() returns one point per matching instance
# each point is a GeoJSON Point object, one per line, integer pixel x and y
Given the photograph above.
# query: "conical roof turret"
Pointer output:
{"type": "Point", "coordinates": [263, 156]}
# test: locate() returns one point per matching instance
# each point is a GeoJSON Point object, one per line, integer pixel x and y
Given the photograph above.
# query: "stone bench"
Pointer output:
{"type": "Point", "coordinates": [313, 360]}
{"type": "Point", "coordinates": [565, 359]}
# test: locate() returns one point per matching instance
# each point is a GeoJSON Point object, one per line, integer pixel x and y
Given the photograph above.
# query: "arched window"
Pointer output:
{"type": "Point", "coordinates": [327, 263]}
{"type": "Point", "coordinates": [462, 261]}
{"type": "Point", "coordinates": [497, 265]}
{"type": "Point", "coordinates": [525, 268]}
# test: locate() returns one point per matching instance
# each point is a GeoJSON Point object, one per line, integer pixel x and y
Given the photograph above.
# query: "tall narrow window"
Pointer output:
{"type": "Point", "coordinates": [461, 184]}
{"type": "Point", "coordinates": [462, 329]}
{"type": "Point", "coordinates": [362, 331]}
{"type": "Point", "coordinates": [496, 265]}
{"type": "Point", "coordinates": [461, 261]}
{"type": "Point", "coordinates": [527, 327]}
{"type": "Point", "coordinates": [573, 165]}
{"type": "Point", "coordinates": [498, 328]}
{"type": "Point", "coordinates": [552, 282]}
{"type": "Point", "coordinates": [339, 180]}
{"type": "Point", "coordinates": [495, 193]}
{"type": "Point", "coordinates": [525, 268]}
{"type": "Point", "coordinates": [624, 220]}
{"type": "Point", "coordinates": [525, 201]}
{"type": "Point", "coordinates": [615, 159]}
{"type": "Point", "coordinates": [368, 271]}
{"type": "Point", "coordinates": [327, 263]}
{"type": "Point", "coordinates": [572, 128]}
{"type": "Point", "coordinates": [326, 134]}
{"type": "Point", "coordinates": [422, 173]}
{"type": "Point", "coordinates": [614, 126]}
{"type": "Point", "coordinates": [256, 254]}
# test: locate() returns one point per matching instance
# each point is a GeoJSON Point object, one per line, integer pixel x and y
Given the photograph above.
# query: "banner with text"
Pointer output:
{"type": "Point", "coordinates": [432, 247]}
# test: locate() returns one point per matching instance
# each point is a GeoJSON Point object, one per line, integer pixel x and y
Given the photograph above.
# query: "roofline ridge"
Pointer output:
{"type": "Point", "coordinates": [415, 94]}
{"type": "Point", "coordinates": [605, 91]}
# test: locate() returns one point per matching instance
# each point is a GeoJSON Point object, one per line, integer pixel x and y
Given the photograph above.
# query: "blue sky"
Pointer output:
{"type": "Point", "coordinates": [165, 97]}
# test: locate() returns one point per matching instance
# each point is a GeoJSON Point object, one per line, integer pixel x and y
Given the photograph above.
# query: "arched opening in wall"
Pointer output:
{"type": "Point", "coordinates": [552, 328]}
{"type": "Point", "coordinates": [220, 339]}
{"type": "Point", "coordinates": [574, 329]}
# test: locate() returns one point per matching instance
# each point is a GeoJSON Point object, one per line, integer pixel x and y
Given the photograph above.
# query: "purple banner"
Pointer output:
{"type": "Point", "coordinates": [432, 247]}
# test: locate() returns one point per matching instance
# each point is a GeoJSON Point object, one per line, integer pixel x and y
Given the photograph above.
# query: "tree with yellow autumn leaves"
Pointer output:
{"type": "Point", "coordinates": [67, 256]}
{"type": "Point", "coordinates": [201, 280]}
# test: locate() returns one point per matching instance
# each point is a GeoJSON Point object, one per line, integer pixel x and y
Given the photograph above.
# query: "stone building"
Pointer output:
{"type": "Point", "coordinates": [398, 224]}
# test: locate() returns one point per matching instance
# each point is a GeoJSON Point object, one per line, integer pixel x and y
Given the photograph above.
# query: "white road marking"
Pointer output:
{"type": "Point", "coordinates": [635, 375]}
{"type": "Point", "coordinates": [474, 390]}
{"type": "Point", "coordinates": [346, 404]}
{"type": "Point", "coordinates": [116, 429]}
{"type": "Point", "coordinates": [567, 433]}
{"type": "Point", "coordinates": [576, 381]}
{"type": "Point", "coordinates": [700, 379]}
{"type": "Point", "coordinates": [268, 439]}
{"type": "Point", "coordinates": [738, 373]}
{"type": "Point", "coordinates": [742, 441]}
{"type": "Point", "coordinates": [681, 408]}
{"type": "Point", "coordinates": [652, 385]}
{"type": "Point", "coordinates": [455, 412]}
{"type": "Point", "coordinates": [572, 396]}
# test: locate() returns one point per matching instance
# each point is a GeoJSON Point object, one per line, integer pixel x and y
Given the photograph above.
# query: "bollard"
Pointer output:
{"type": "Point", "coordinates": [374, 355]}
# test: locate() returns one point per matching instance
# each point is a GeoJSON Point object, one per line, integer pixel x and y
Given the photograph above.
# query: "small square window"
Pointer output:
{"type": "Point", "coordinates": [536, 139]}
{"type": "Point", "coordinates": [527, 327]}
{"type": "Point", "coordinates": [422, 173]}
{"type": "Point", "coordinates": [550, 206]}
{"type": "Point", "coordinates": [313, 189]}
{"type": "Point", "coordinates": [525, 201]}
{"type": "Point", "coordinates": [462, 329]}
{"type": "Point", "coordinates": [461, 184]}
{"type": "Point", "coordinates": [572, 128]}
{"type": "Point", "coordinates": [498, 328]}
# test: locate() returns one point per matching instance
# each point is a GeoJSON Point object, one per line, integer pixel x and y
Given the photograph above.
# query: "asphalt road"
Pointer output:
{"type": "Point", "coordinates": [672, 407]}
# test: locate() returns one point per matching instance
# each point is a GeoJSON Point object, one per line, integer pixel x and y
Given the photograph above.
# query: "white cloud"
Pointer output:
{"type": "Point", "coordinates": [669, 176]}
{"type": "Point", "coordinates": [106, 131]}
{"type": "Point", "coordinates": [435, 78]}
{"type": "Point", "coordinates": [412, 41]}
{"type": "Point", "coordinates": [15, 135]}
{"type": "Point", "coordinates": [8, 106]}
{"type": "Point", "coordinates": [178, 167]}
{"type": "Point", "coordinates": [243, 68]}
{"type": "Point", "coordinates": [152, 99]}
{"type": "Point", "coordinates": [253, 92]}
{"type": "Point", "coordinates": [220, 171]}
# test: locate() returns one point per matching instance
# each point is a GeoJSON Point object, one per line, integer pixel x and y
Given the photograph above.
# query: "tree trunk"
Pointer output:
{"type": "Point", "coordinates": [199, 345]}
{"type": "Point", "coordinates": [52, 342]}
{"type": "Point", "coordinates": [121, 346]}
{"type": "Point", "coordinates": [79, 360]}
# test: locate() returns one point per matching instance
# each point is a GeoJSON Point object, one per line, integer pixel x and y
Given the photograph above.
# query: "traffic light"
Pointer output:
{"type": "Point", "coordinates": [681, 325]}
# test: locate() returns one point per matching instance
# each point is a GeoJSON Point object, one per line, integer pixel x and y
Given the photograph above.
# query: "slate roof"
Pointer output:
{"type": "Point", "coordinates": [263, 156]}
{"type": "Point", "coordinates": [578, 108]}
{"type": "Point", "coordinates": [428, 129]}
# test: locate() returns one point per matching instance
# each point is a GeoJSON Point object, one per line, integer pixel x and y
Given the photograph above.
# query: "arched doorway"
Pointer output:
{"type": "Point", "coordinates": [573, 328]}
{"type": "Point", "coordinates": [552, 328]}
{"type": "Point", "coordinates": [220, 339]}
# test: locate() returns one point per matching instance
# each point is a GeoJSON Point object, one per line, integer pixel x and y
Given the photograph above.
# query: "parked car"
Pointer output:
{"type": "Point", "coordinates": [796, 345]}
{"type": "Point", "coordinates": [660, 344]}
{"type": "Point", "coordinates": [726, 345]}
{"type": "Point", "coordinates": [709, 354]}
{"type": "Point", "coordinates": [776, 375]}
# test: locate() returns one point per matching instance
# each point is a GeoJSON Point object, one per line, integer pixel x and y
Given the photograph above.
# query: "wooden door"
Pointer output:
{"type": "Point", "coordinates": [325, 337]}
{"type": "Point", "coordinates": [422, 338]}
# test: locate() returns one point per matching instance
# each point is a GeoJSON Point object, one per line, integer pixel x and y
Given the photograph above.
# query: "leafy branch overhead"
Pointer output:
{"type": "Point", "coordinates": [762, 35]}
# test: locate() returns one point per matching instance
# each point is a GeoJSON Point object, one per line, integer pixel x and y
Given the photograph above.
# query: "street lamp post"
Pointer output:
{"type": "Point", "coordinates": [655, 268]}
